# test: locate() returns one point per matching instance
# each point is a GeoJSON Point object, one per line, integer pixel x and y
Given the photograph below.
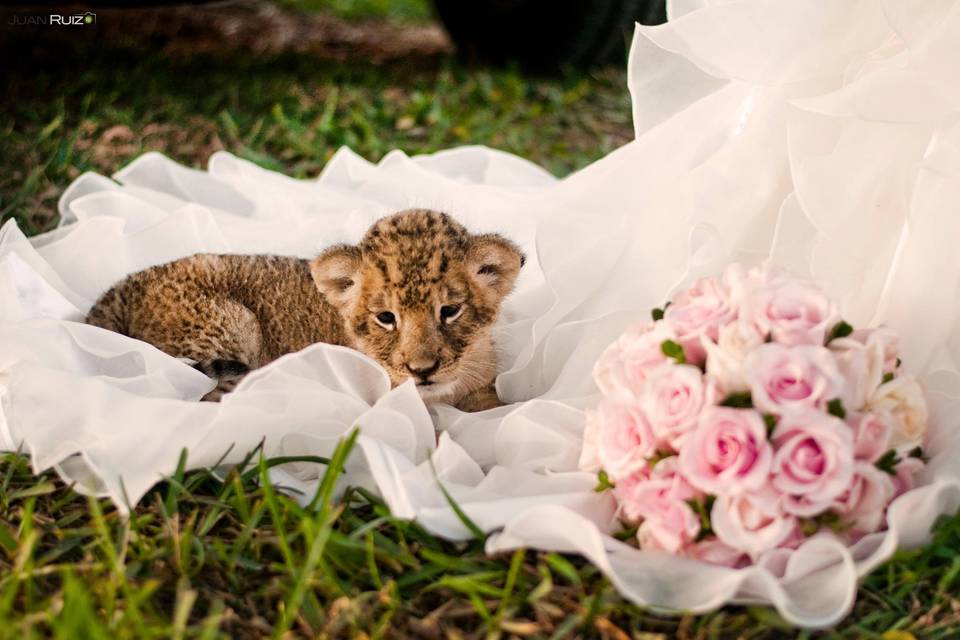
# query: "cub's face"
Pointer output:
{"type": "Point", "coordinates": [420, 295]}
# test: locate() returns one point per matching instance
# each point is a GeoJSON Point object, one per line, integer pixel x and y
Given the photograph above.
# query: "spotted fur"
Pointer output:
{"type": "Point", "coordinates": [231, 314]}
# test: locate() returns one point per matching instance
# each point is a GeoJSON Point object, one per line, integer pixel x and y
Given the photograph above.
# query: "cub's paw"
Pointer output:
{"type": "Point", "coordinates": [480, 400]}
{"type": "Point", "coordinates": [227, 373]}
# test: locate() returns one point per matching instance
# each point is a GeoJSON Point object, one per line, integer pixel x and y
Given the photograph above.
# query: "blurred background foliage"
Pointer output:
{"type": "Point", "coordinates": [400, 10]}
{"type": "Point", "coordinates": [278, 85]}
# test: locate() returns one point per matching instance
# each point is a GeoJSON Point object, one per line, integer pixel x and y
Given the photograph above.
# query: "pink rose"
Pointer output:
{"type": "Point", "coordinates": [905, 477]}
{"type": "Point", "coordinates": [624, 438]}
{"type": "Point", "coordinates": [904, 400]}
{"type": "Point", "coordinates": [813, 464]}
{"type": "Point", "coordinates": [886, 339]}
{"type": "Point", "coordinates": [794, 540]}
{"type": "Point", "coordinates": [861, 365]}
{"type": "Point", "coordinates": [871, 434]}
{"type": "Point", "coordinates": [728, 451]}
{"type": "Point", "coordinates": [652, 495]}
{"type": "Point", "coordinates": [629, 491]}
{"type": "Point", "coordinates": [660, 499]}
{"type": "Point", "coordinates": [785, 378]}
{"type": "Point", "coordinates": [741, 281]}
{"type": "Point", "coordinates": [626, 363]}
{"type": "Point", "coordinates": [648, 540]}
{"type": "Point", "coordinates": [791, 312]}
{"type": "Point", "coordinates": [674, 531]}
{"type": "Point", "coordinates": [725, 357]}
{"type": "Point", "coordinates": [751, 522]}
{"type": "Point", "coordinates": [863, 504]}
{"type": "Point", "coordinates": [673, 398]}
{"type": "Point", "coordinates": [714, 551]}
{"type": "Point", "coordinates": [608, 371]}
{"type": "Point", "coordinates": [699, 311]}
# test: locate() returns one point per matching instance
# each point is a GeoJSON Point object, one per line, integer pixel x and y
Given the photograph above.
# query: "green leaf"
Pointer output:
{"type": "Point", "coordinates": [8, 541]}
{"type": "Point", "coordinates": [323, 498]}
{"type": "Point", "coordinates": [273, 462]}
{"type": "Point", "coordinates": [770, 618]}
{"type": "Point", "coordinates": [673, 350]}
{"type": "Point", "coordinates": [657, 314]}
{"type": "Point", "coordinates": [465, 520]}
{"type": "Point", "coordinates": [543, 589]}
{"type": "Point", "coordinates": [48, 130]}
{"type": "Point", "coordinates": [739, 400]}
{"type": "Point", "coordinates": [771, 421]}
{"type": "Point", "coordinates": [833, 521]}
{"type": "Point", "coordinates": [888, 462]}
{"type": "Point", "coordinates": [887, 377]}
{"type": "Point", "coordinates": [945, 582]}
{"type": "Point", "coordinates": [808, 527]}
{"type": "Point", "coordinates": [917, 452]}
{"type": "Point", "coordinates": [659, 455]}
{"type": "Point", "coordinates": [603, 482]}
{"type": "Point", "coordinates": [175, 484]}
{"type": "Point", "coordinates": [626, 534]}
{"type": "Point", "coordinates": [563, 566]}
{"type": "Point", "coordinates": [827, 520]}
{"type": "Point", "coordinates": [839, 330]}
{"type": "Point", "coordinates": [39, 489]}
{"type": "Point", "coordinates": [835, 408]}
{"type": "Point", "coordinates": [703, 508]}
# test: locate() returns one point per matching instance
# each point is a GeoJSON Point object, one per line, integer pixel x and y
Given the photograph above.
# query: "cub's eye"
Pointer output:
{"type": "Point", "coordinates": [450, 312]}
{"type": "Point", "coordinates": [386, 319]}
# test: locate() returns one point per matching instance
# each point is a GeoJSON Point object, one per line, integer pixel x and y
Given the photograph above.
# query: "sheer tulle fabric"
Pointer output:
{"type": "Point", "coordinates": [822, 135]}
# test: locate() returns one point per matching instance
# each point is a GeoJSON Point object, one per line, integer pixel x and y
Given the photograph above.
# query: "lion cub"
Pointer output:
{"type": "Point", "coordinates": [419, 295]}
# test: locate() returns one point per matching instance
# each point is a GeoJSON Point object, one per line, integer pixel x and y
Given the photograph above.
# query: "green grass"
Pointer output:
{"type": "Point", "coordinates": [98, 110]}
{"type": "Point", "coordinates": [398, 10]}
{"type": "Point", "coordinates": [200, 558]}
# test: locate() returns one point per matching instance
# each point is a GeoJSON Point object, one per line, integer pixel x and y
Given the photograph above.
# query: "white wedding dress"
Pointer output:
{"type": "Point", "coordinates": [821, 134]}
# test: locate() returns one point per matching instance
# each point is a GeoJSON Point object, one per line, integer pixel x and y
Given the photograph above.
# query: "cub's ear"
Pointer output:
{"type": "Point", "coordinates": [494, 262]}
{"type": "Point", "coordinates": [336, 272]}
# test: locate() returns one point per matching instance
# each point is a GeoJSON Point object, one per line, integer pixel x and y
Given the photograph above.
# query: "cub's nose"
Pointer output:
{"type": "Point", "coordinates": [423, 369]}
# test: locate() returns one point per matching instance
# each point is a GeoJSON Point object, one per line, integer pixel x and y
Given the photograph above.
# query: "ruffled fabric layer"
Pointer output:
{"type": "Point", "coordinates": [822, 135]}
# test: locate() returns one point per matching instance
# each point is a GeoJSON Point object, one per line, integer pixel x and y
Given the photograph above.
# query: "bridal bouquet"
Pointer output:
{"type": "Point", "coordinates": [748, 416]}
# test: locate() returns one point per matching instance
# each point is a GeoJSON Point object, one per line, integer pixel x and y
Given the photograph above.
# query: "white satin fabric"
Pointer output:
{"type": "Point", "coordinates": [821, 134]}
